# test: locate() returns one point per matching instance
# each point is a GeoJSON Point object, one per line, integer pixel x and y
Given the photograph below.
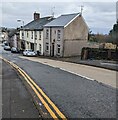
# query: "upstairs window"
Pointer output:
{"type": "Point", "coordinates": [58, 34]}
{"type": "Point", "coordinates": [22, 34]}
{"type": "Point", "coordinates": [31, 34]}
{"type": "Point", "coordinates": [35, 35]}
{"type": "Point", "coordinates": [39, 35]}
{"type": "Point", "coordinates": [27, 34]}
{"type": "Point", "coordinates": [47, 34]}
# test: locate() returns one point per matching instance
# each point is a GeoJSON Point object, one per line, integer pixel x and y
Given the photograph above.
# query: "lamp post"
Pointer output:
{"type": "Point", "coordinates": [23, 41]}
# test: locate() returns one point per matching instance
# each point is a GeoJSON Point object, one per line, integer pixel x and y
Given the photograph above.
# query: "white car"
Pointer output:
{"type": "Point", "coordinates": [29, 53]}
{"type": "Point", "coordinates": [6, 47]}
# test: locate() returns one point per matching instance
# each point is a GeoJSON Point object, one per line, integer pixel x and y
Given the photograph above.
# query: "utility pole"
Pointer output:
{"type": "Point", "coordinates": [23, 41]}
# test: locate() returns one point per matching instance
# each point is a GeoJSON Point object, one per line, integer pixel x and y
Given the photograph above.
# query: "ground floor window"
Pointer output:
{"type": "Point", "coordinates": [58, 49]}
{"type": "Point", "coordinates": [47, 46]}
{"type": "Point", "coordinates": [39, 47]}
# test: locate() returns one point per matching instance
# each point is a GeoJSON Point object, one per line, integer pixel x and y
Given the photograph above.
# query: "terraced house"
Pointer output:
{"type": "Point", "coordinates": [31, 34]}
{"type": "Point", "coordinates": [65, 35]}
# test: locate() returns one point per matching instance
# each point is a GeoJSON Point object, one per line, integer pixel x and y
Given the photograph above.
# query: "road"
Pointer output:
{"type": "Point", "coordinates": [16, 100]}
{"type": "Point", "coordinates": [0, 85]}
{"type": "Point", "coordinates": [75, 96]}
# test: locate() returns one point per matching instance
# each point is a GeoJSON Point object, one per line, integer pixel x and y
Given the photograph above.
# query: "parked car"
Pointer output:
{"type": "Point", "coordinates": [7, 47]}
{"type": "Point", "coordinates": [15, 50]}
{"type": "Point", "coordinates": [29, 53]}
{"type": "Point", "coordinates": [4, 44]}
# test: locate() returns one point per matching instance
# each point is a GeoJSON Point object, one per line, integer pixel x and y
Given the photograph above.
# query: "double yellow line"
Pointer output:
{"type": "Point", "coordinates": [39, 92]}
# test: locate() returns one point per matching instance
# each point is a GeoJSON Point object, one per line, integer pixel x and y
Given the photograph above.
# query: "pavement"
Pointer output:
{"type": "Point", "coordinates": [16, 100]}
{"type": "Point", "coordinates": [106, 64]}
{"type": "Point", "coordinates": [105, 76]}
{"type": "Point", "coordinates": [0, 89]}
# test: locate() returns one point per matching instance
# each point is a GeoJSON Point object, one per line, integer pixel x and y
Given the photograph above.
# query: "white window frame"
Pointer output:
{"type": "Point", "coordinates": [32, 35]}
{"type": "Point", "coordinates": [27, 34]}
{"type": "Point", "coordinates": [58, 48]}
{"type": "Point", "coordinates": [22, 34]}
{"type": "Point", "coordinates": [40, 48]}
{"type": "Point", "coordinates": [39, 35]}
{"type": "Point", "coordinates": [35, 33]}
{"type": "Point", "coordinates": [58, 34]}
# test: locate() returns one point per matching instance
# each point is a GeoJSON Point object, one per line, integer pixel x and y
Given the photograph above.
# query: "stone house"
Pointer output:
{"type": "Point", "coordinates": [65, 36]}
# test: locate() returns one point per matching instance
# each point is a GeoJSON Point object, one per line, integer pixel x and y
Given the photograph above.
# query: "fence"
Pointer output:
{"type": "Point", "coordinates": [99, 54]}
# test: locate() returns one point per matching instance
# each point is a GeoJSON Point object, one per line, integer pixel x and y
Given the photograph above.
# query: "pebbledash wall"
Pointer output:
{"type": "Point", "coordinates": [75, 37]}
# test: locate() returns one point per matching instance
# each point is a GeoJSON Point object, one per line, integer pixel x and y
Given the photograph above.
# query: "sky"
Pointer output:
{"type": "Point", "coordinates": [99, 16]}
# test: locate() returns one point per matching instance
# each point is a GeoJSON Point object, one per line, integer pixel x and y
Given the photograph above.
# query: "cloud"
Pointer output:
{"type": "Point", "coordinates": [98, 15]}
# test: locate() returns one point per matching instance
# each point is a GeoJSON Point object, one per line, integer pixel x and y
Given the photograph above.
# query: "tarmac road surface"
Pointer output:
{"type": "Point", "coordinates": [75, 96]}
{"type": "Point", "coordinates": [16, 100]}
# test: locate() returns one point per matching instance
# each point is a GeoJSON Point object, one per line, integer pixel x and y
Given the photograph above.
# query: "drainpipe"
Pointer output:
{"type": "Point", "coordinates": [50, 41]}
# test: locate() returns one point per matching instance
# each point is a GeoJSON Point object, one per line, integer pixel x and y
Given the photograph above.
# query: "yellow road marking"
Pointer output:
{"type": "Point", "coordinates": [39, 96]}
{"type": "Point", "coordinates": [41, 91]}
{"type": "Point", "coordinates": [47, 98]}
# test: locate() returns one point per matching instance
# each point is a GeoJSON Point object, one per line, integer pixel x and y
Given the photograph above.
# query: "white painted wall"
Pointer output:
{"type": "Point", "coordinates": [28, 39]}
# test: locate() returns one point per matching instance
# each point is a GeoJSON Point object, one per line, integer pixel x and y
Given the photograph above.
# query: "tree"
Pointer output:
{"type": "Point", "coordinates": [114, 34]}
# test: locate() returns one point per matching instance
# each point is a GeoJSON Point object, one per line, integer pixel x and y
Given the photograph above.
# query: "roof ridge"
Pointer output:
{"type": "Point", "coordinates": [69, 14]}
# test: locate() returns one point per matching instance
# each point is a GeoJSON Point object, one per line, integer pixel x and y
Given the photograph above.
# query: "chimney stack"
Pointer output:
{"type": "Point", "coordinates": [36, 16]}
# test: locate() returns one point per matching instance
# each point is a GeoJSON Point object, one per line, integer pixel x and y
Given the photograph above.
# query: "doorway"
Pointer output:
{"type": "Point", "coordinates": [52, 49]}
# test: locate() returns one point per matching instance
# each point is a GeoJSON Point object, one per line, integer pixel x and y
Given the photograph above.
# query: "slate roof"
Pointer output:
{"type": "Point", "coordinates": [12, 32]}
{"type": "Point", "coordinates": [38, 24]}
{"type": "Point", "coordinates": [62, 20]}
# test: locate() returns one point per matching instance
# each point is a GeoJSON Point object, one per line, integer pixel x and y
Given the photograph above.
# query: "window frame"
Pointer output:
{"type": "Point", "coordinates": [47, 46]}
{"type": "Point", "coordinates": [58, 49]}
{"type": "Point", "coordinates": [32, 35]}
{"type": "Point", "coordinates": [47, 33]}
{"type": "Point", "coordinates": [27, 34]}
{"type": "Point", "coordinates": [58, 35]}
{"type": "Point", "coordinates": [40, 35]}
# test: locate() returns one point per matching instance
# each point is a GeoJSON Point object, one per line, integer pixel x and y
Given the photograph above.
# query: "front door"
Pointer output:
{"type": "Point", "coordinates": [32, 46]}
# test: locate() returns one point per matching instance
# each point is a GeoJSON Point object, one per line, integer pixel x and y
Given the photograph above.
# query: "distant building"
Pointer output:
{"type": "Point", "coordinates": [3, 34]}
{"type": "Point", "coordinates": [14, 38]}
{"type": "Point", "coordinates": [65, 36]}
{"type": "Point", "coordinates": [31, 34]}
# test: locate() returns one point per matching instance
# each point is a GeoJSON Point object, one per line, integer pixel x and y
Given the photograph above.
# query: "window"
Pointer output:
{"type": "Point", "coordinates": [39, 47]}
{"type": "Point", "coordinates": [27, 34]}
{"type": "Point", "coordinates": [39, 35]}
{"type": "Point", "coordinates": [22, 34]}
{"type": "Point", "coordinates": [58, 34]}
{"type": "Point", "coordinates": [47, 34]}
{"type": "Point", "coordinates": [31, 34]}
{"type": "Point", "coordinates": [47, 46]}
{"type": "Point", "coordinates": [35, 35]}
{"type": "Point", "coordinates": [58, 49]}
